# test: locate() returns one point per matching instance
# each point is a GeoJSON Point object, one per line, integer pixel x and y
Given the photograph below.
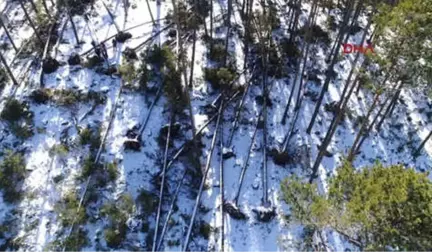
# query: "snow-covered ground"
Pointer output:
{"type": "Point", "coordinates": [51, 175]}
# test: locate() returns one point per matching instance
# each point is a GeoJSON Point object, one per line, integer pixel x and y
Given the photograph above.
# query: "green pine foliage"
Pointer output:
{"type": "Point", "coordinates": [219, 78]}
{"type": "Point", "coordinates": [66, 97]}
{"type": "Point", "coordinates": [14, 110]}
{"type": "Point", "coordinates": [74, 242]}
{"type": "Point", "coordinates": [75, 7]}
{"type": "Point", "coordinates": [12, 174]}
{"type": "Point", "coordinates": [128, 72]}
{"type": "Point", "coordinates": [147, 202]}
{"type": "Point", "coordinates": [405, 34]}
{"type": "Point", "coordinates": [67, 210]}
{"type": "Point", "coordinates": [376, 207]}
{"type": "Point", "coordinates": [117, 213]}
{"type": "Point", "coordinates": [90, 136]}
{"type": "Point", "coordinates": [163, 60]}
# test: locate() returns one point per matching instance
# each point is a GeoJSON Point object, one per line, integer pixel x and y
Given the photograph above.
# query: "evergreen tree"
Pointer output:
{"type": "Point", "coordinates": [376, 208]}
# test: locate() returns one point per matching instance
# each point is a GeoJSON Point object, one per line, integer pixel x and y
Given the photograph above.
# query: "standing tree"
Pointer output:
{"type": "Point", "coordinates": [403, 48]}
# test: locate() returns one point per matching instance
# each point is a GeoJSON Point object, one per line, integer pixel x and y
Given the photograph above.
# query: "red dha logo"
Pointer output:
{"type": "Point", "coordinates": [350, 48]}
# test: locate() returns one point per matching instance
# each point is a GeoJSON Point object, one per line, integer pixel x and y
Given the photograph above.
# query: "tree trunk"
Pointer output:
{"type": "Point", "coordinates": [329, 70]}
{"type": "Point", "coordinates": [34, 6]}
{"type": "Point", "coordinates": [221, 179]}
{"type": "Point", "coordinates": [354, 19]}
{"type": "Point", "coordinates": [192, 60]}
{"type": "Point", "coordinates": [8, 35]}
{"type": "Point", "coordinates": [299, 98]}
{"type": "Point", "coordinates": [228, 24]}
{"type": "Point", "coordinates": [151, 13]}
{"type": "Point", "coordinates": [342, 30]}
{"type": "Point", "coordinates": [211, 25]}
{"type": "Point", "coordinates": [305, 44]}
{"type": "Point", "coordinates": [203, 180]}
{"type": "Point", "coordinates": [352, 152]}
{"type": "Point", "coordinates": [340, 111]}
{"type": "Point", "coordinates": [292, 28]}
{"type": "Point", "coordinates": [30, 21]}
{"type": "Point", "coordinates": [3, 60]}
{"type": "Point", "coordinates": [422, 144]}
{"type": "Point", "coordinates": [46, 8]}
{"type": "Point", "coordinates": [370, 127]}
{"type": "Point", "coordinates": [182, 69]}
{"type": "Point", "coordinates": [74, 28]}
{"type": "Point", "coordinates": [390, 106]}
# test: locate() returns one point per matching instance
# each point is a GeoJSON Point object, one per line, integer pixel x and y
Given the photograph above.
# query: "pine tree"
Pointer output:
{"type": "Point", "coordinates": [375, 208]}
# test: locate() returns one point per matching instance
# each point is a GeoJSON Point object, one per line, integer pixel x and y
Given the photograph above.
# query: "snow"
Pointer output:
{"type": "Point", "coordinates": [137, 169]}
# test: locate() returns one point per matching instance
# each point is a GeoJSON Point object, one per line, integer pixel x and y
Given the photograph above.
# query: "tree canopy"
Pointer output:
{"type": "Point", "coordinates": [405, 39]}
{"type": "Point", "coordinates": [377, 207]}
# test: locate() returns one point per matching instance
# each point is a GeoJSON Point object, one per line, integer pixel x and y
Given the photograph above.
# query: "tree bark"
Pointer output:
{"type": "Point", "coordinates": [340, 111]}
{"type": "Point", "coordinates": [390, 106]}
{"type": "Point", "coordinates": [46, 8]}
{"type": "Point", "coordinates": [418, 150]}
{"type": "Point", "coordinates": [8, 35]}
{"type": "Point", "coordinates": [30, 21]}
{"type": "Point", "coordinates": [34, 6]}
{"type": "Point", "coordinates": [3, 60]}
{"type": "Point", "coordinates": [352, 152]}
{"type": "Point", "coordinates": [228, 24]}
{"type": "Point", "coordinates": [354, 19]}
{"type": "Point", "coordinates": [305, 44]}
{"type": "Point", "coordinates": [341, 32]}
{"type": "Point", "coordinates": [74, 28]}
{"type": "Point", "coordinates": [329, 70]}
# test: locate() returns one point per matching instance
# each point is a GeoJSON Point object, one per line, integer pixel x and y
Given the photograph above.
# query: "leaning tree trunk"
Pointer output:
{"type": "Point", "coordinates": [329, 71]}
{"type": "Point", "coordinates": [340, 111]}
{"type": "Point", "coordinates": [341, 32]}
{"type": "Point", "coordinates": [228, 24]}
{"type": "Point", "coordinates": [353, 152]}
{"type": "Point", "coordinates": [46, 8]}
{"type": "Point", "coordinates": [73, 28]}
{"type": "Point", "coordinates": [354, 19]}
{"type": "Point", "coordinates": [34, 6]}
{"type": "Point", "coordinates": [8, 35]}
{"type": "Point", "coordinates": [390, 106]}
{"type": "Point", "coordinates": [306, 45]}
{"type": "Point", "coordinates": [211, 25]}
{"type": "Point", "coordinates": [299, 98]}
{"type": "Point", "coordinates": [418, 150]}
{"type": "Point", "coordinates": [293, 24]}
{"type": "Point", "coordinates": [3, 60]}
{"type": "Point", "coordinates": [30, 21]}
